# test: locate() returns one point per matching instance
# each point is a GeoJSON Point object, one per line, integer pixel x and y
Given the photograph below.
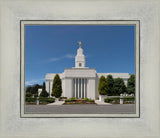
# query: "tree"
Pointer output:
{"type": "Point", "coordinates": [131, 84]}
{"type": "Point", "coordinates": [102, 86]}
{"type": "Point", "coordinates": [44, 93]}
{"type": "Point", "coordinates": [33, 89]}
{"type": "Point", "coordinates": [110, 83]}
{"type": "Point", "coordinates": [119, 86]}
{"type": "Point", "coordinates": [28, 94]}
{"type": "Point", "coordinates": [28, 89]}
{"type": "Point", "coordinates": [57, 86]}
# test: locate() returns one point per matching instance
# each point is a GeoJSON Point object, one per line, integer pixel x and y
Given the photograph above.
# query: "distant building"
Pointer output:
{"type": "Point", "coordinates": [80, 81]}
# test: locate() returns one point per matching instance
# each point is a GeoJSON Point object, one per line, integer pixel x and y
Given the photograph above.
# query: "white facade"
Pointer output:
{"type": "Point", "coordinates": [80, 81]}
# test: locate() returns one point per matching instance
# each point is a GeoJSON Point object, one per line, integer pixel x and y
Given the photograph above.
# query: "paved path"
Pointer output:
{"type": "Point", "coordinates": [81, 109]}
{"type": "Point", "coordinates": [56, 103]}
{"type": "Point", "coordinates": [101, 103]}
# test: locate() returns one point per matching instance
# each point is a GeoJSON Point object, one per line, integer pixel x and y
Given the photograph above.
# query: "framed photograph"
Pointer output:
{"type": "Point", "coordinates": [79, 69]}
{"type": "Point", "coordinates": [81, 91]}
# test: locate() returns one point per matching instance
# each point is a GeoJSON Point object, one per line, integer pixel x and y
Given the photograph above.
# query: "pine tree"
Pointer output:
{"type": "Point", "coordinates": [110, 83]}
{"type": "Point", "coordinates": [44, 93]}
{"type": "Point", "coordinates": [131, 84]}
{"type": "Point", "coordinates": [102, 86]}
{"type": "Point", "coordinates": [57, 86]}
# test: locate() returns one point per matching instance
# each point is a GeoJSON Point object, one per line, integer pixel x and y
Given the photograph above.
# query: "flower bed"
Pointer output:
{"type": "Point", "coordinates": [79, 101]}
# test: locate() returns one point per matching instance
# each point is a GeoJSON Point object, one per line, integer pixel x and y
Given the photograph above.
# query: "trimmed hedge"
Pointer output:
{"type": "Point", "coordinates": [30, 99]}
{"type": "Point", "coordinates": [68, 100]}
{"type": "Point", "coordinates": [129, 99]}
{"type": "Point", "coordinates": [117, 100]}
{"type": "Point", "coordinates": [62, 97]}
{"type": "Point", "coordinates": [47, 100]}
{"type": "Point", "coordinates": [110, 100]}
{"type": "Point", "coordinates": [90, 100]}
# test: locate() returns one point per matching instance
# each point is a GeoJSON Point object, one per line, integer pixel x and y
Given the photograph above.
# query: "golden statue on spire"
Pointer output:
{"type": "Point", "coordinates": [79, 44]}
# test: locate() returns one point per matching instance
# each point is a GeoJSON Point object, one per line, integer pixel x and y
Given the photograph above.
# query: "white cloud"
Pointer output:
{"type": "Point", "coordinates": [69, 56]}
{"type": "Point", "coordinates": [54, 59]}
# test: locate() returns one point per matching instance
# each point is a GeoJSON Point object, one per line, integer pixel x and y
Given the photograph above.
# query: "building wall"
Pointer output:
{"type": "Point", "coordinates": [92, 83]}
{"type": "Point", "coordinates": [51, 82]}
{"type": "Point", "coordinates": [91, 88]}
{"type": "Point", "coordinates": [47, 86]}
{"type": "Point", "coordinates": [96, 88]}
{"type": "Point", "coordinates": [68, 92]}
{"type": "Point", "coordinates": [63, 87]}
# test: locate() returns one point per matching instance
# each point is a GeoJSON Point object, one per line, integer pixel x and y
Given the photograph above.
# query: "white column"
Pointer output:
{"type": "Point", "coordinates": [81, 87]}
{"type": "Point", "coordinates": [78, 87]}
{"type": "Point", "coordinates": [50, 88]}
{"type": "Point", "coordinates": [84, 88]}
{"type": "Point", "coordinates": [75, 86]}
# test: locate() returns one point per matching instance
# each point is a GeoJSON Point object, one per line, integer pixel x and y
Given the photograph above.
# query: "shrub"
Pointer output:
{"type": "Point", "coordinates": [63, 98]}
{"type": "Point", "coordinates": [29, 99]}
{"type": "Point", "coordinates": [73, 98]}
{"type": "Point", "coordinates": [86, 99]}
{"type": "Point", "coordinates": [48, 100]}
{"type": "Point", "coordinates": [90, 100]}
{"type": "Point", "coordinates": [28, 94]}
{"type": "Point", "coordinates": [129, 99]}
{"type": "Point", "coordinates": [68, 100]}
{"type": "Point", "coordinates": [111, 100]}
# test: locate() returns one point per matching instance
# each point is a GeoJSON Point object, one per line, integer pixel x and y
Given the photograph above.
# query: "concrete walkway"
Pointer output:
{"type": "Point", "coordinates": [56, 103]}
{"type": "Point", "coordinates": [101, 103]}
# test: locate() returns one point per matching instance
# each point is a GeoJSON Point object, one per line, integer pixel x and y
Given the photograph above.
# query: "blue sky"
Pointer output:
{"type": "Point", "coordinates": [52, 48]}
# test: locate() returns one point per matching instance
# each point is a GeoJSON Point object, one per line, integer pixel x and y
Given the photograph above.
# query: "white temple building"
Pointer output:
{"type": "Point", "coordinates": [80, 81]}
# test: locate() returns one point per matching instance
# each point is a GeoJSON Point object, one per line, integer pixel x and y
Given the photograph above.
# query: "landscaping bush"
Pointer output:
{"type": "Point", "coordinates": [90, 100]}
{"type": "Point", "coordinates": [73, 99]}
{"type": "Point", "coordinates": [117, 100]}
{"type": "Point", "coordinates": [47, 100]}
{"type": "Point", "coordinates": [63, 98]}
{"type": "Point", "coordinates": [29, 99]}
{"type": "Point", "coordinates": [129, 99]}
{"type": "Point", "coordinates": [68, 100]}
{"type": "Point", "coordinates": [112, 100]}
{"type": "Point", "coordinates": [28, 94]}
{"type": "Point", "coordinates": [86, 99]}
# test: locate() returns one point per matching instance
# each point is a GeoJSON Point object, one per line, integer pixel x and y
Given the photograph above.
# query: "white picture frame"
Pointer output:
{"type": "Point", "coordinates": [12, 125]}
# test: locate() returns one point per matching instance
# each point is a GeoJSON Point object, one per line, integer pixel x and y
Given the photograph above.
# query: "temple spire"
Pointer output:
{"type": "Point", "coordinates": [79, 44]}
